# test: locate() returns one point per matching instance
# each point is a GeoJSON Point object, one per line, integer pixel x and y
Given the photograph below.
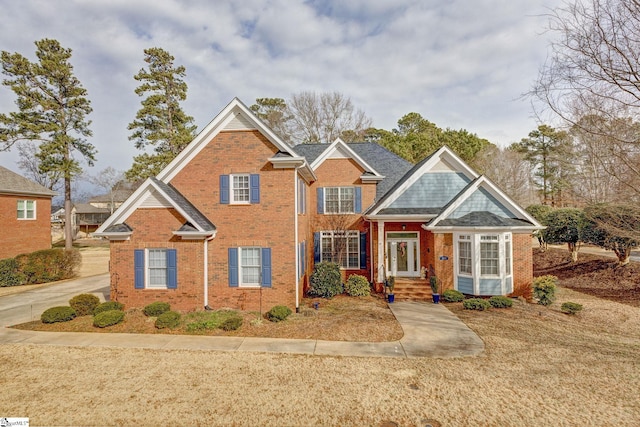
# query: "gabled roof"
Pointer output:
{"type": "Point", "coordinates": [481, 204]}
{"type": "Point", "coordinates": [154, 193]}
{"type": "Point", "coordinates": [429, 163]}
{"type": "Point", "coordinates": [235, 116]}
{"type": "Point", "coordinates": [13, 183]}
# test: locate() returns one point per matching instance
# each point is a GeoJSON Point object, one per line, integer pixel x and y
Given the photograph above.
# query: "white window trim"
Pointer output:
{"type": "Point", "coordinates": [25, 210]}
{"type": "Point", "coordinates": [240, 275]}
{"type": "Point", "coordinates": [232, 199]}
{"type": "Point", "coordinates": [348, 234]}
{"type": "Point", "coordinates": [147, 269]}
{"type": "Point", "coordinates": [475, 239]}
{"type": "Point", "coordinates": [340, 211]}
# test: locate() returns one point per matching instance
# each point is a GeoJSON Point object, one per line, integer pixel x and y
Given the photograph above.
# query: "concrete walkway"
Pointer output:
{"type": "Point", "coordinates": [430, 330]}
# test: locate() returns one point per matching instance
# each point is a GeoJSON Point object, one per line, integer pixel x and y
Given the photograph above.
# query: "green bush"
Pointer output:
{"type": "Point", "coordinates": [357, 286]}
{"type": "Point", "coordinates": [476, 304]}
{"type": "Point", "coordinates": [278, 313]}
{"type": "Point", "coordinates": [108, 318]}
{"type": "Point", "coordinates": [109, 305]}
{"type": "Point", "coordinates": [168, 319]}
{"type": "Point", "coordinates": [570, 307]}
{"type": "Point", "coordinates": [84, 304]}
{"type": "Point", "coordinates": [451, 295]}
{"type": "Point", "coordinates": [49, 265]}
{"type": "Point", "coordinates": [156, 308]}
{"type": "Point", "coordinates": [199, 321]}
{"type": "Point", "coordinates": [499, 301]}
{"type": "Point", "coordinates": [325, 282]}
{"type": "Point", "coordinates": [544, 289]}
{"type": "Point", "coordinates": [58, 314]}
{"type": "Point", "coordinates": [10, 274]}
{"type": "Point", "coordinates": [231, 323]}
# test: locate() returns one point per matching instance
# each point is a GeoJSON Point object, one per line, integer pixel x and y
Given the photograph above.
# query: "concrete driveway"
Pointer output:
{"type": "Point", "coordinates": [28, 305]}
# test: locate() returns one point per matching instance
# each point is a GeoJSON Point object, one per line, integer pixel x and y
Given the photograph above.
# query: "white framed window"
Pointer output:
{"type": "Point", "coordinates": [339, 200]}
{"type": "Point", "coordinates": [489, 256]}
{"type": "Point", "coordinates": [156, 268]}
{"type": "Point", "coordinates": [464, 255]}
{"type": "Point", "coordinates": [250, 265]}
{"type": "Point", "coordinates": [26, 209]}
{"type": "Point", "coordinates": [240, 191]}
{"type": "Point", "coordinates": [507, 254]}
{"type": "Point", "coordinates": [341, 247]}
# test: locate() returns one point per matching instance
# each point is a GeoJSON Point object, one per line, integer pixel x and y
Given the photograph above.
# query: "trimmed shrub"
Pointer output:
{"type": "Point", "coordinates": [168, 319]}
{"type": "Point", "coordinates": [570, 307]}
{"type": "Point", "coordinates": [231, 324]}
{"type": "Point", "coordinates": [278, 313]}
{"type": "Point", "coordinates": [108, 318]}
{"type": "Point", "coordinates": [9, 273]}
{"type": "Point", "coordinates": [325, 282]}
{"type": "Point", "coordinates": [84, 304]}
{"type": "Point", "coordinates": [58, 314]}
{"type": "Point", "coordinates": [544, 289]}
{"type": "Point", "coordinates": [155, 309]}
{"type": "Point", "coordinates": [476, 304]}
{"type": "Point", "coordinates": [357, 286]}
{"type": "Point", "coordinates": [109, 305]}
{"type": "Point", "coordinates": [499, 301]}
{"type": "Point", "coordinates": [49, 265]}
{"type": "Point", "coordinates": [451, 295]}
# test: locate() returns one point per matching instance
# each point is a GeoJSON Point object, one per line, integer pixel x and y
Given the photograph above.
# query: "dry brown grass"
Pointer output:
{"type": "Point", "coordinates": [540, 367]}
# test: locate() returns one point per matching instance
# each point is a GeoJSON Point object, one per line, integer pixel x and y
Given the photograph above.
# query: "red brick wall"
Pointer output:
{"type": "Point", "coordinates": [522, 265]}
{"type": "Point", "coordinates": [267, 224]}
{"type": "Point", "coordinates": [25, 235]}
{"type": "Point", "coordinates": [153, 229]}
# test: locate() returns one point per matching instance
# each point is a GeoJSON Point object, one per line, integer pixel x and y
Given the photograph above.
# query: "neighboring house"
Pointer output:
{"type": "Point", "coordinates": [239, 218]}
{"type": "Point", "coordinates": [87, 217]}
{"type": "Point", "coordinates": [25, 215]}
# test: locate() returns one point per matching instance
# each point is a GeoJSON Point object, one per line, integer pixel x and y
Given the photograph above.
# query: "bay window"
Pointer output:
{"type": "Point", "coordinates": [483, 263]}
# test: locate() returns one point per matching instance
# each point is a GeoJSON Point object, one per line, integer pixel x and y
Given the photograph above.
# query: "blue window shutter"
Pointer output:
{"type": "Point", "coordinates": [316, 247]}
{"type": "Point", "coordinates": [266, 268]}
{"type": "Point", "coordinates": [363, 251]}
{"type": "Point", "coordinates": [320, 200]}
{"type": "Point", "coordinates": [138, 266]}
{"type": "Point", "coordinates": [224, 189]}
{"type": "Point", "coordinates": [358, 199]}
{"type": "Point", "coordinates": [254, 188]}
{"type": "Point", "coordinates": [233, 267]}
{"type": "Point", "coordinates": [172, 269]}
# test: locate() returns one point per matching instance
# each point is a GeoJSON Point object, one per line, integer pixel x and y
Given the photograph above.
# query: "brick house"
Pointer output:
{"type": "Point", "coordinates": [239, 218]}
{"type": "Point", "coordinates": [25, 215]}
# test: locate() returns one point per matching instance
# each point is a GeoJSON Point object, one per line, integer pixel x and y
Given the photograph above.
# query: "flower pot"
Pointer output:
{"type": "Point", "coordinates": [391, 298]}
{"type": "Point", "coordinates": [436, 298]}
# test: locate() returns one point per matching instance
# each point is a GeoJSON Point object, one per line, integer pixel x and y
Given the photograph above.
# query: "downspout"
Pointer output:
{"type": "Point", "coordinates": [295, 237]}
{"type": "Point", "coordinates": [373, 280]}
{"type": "Point", "coordinates": [206, 272]}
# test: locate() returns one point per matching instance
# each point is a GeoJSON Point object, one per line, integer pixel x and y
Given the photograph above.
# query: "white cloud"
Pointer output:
{"type": "Point", "coordinates": [461, 64]}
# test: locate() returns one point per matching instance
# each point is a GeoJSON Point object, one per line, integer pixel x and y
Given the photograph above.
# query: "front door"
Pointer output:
{"type": "Point", "coordinates": [403, 255]}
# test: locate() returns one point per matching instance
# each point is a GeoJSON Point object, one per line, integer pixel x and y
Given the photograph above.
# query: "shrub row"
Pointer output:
{"type": "Point", "coordinates": [105, 314]}
{"type": "Point", "coordinates": [43, 266]}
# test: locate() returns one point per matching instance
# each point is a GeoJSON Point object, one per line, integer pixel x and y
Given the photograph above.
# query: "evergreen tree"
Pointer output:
{"type": "Point", "coordinates": [160, 122]}
{"type": "Point", "coordinates": [52, 110]}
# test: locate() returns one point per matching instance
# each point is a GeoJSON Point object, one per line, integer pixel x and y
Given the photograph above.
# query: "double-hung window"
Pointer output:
{"type": "Point", "coordinates": [155, 268]}
{"type": "Point", "coordinates": [339, 200]}
{"type": "Point", "coordinates": [240, 188]}
{"type": "Point", "coordinates": [489, 255]}
{"type": "Point", "coordinates": [341, 247]}
{"type": "Point", "coordinates": [249, 267]}
{"type": "Point", "coordinates": [464, 255]}
{"type": "Point", "coordinates": [26, 209]}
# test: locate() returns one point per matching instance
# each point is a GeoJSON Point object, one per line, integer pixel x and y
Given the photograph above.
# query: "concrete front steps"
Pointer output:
{"type": "Point", "coordinates": [412, 289]}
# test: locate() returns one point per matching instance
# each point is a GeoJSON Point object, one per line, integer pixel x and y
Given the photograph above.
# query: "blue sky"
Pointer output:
{"type": "Point", "coordinates": [460, 63]}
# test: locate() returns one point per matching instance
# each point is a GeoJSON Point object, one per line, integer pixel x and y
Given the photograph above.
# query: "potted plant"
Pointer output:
{"type": "Point", "coordinates": [390, 284]}
{"type": "Point", "coordinates": [435, 285]}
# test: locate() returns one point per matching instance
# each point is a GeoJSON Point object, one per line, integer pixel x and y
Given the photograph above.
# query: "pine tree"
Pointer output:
{"type": "Point", "coordinates": [160, 122]}
{"type": "Point", "coordinates": [52, 110]}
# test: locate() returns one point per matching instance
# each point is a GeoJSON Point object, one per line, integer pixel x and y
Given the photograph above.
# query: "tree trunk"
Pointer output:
{"type": "Point", "coordinates": [573, 248]}
{"type": "Point", "coordinates": [623, 255]}
{"type": "Point", "coordinates": [68, 232]}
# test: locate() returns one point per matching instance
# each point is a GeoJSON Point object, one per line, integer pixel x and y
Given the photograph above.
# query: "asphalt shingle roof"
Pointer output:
{"type": "Point", "coordinates": [483, 219]}
{"type": "Point", "coordinates": [181, 201]}
{"type": "Point", "coordinates": [11, 182]}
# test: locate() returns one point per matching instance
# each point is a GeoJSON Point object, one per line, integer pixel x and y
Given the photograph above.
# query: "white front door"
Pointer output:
{"type": "Point", "coordinates": [403, 255]}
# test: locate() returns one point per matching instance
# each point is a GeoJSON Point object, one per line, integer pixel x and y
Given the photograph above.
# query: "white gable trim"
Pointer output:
{"type": "Point", "coordinates": [485, 183]}
{"type": "Point", "coordinates": [226, 119]}
{"type": "Point", "coordinates": [147, 192]}
{"type": "Point", "coordinates": [434, 163]}
{"type": "Point", "coordinates": [340, 150]}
